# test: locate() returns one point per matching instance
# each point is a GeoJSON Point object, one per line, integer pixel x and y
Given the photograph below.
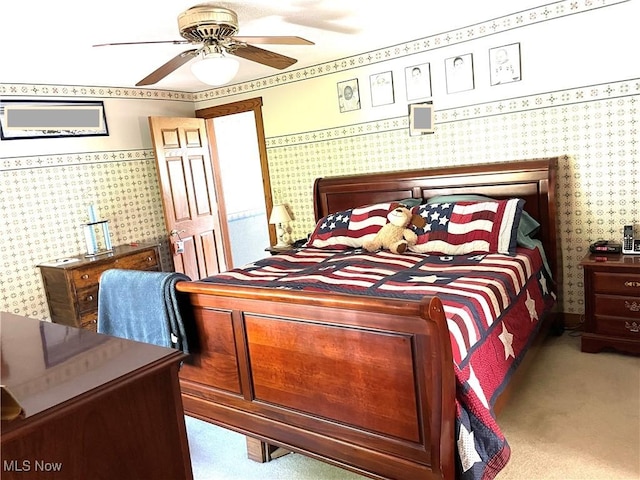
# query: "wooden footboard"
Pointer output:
{"type": "Point", "coordinates": [366, 384]}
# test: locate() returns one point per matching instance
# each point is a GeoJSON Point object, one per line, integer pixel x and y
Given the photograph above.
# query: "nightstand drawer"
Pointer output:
{"type": "Point", "coordinates": [616, 283]}
{"type": "Point", "coordinates": [617, 306]}
{"type": "Point", "coordinates": [618, 327]}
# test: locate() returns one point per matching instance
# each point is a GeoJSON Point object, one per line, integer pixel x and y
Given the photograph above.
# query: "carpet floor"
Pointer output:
{"type": "Point", "coordinates": [576, 417]}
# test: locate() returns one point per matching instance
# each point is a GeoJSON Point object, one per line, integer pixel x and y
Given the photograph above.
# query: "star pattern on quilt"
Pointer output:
{"type": "Point", "coordinates": [467, 448]}
{"type": "Point", "coordinates": [474, 383]}
{"type": "Point", "coordinates": [531, 306]}
{"type": "Point", "coordinates": [507, 340]}
{"type": "Point", "coordinates": [543, 284]}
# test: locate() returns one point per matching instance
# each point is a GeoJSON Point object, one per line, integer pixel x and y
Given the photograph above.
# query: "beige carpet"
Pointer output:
{"type": "Point", "coordinates": [577, 417]}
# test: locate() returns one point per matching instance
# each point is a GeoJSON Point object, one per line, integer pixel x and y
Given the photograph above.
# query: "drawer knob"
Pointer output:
{"type": "Point", "coordinates": [632, 284]}
{"type": "Point", "coordinates": [85, 276]}
{"type": "Point", "coordinates": [149, 259]}
{"type": "Point", "coordinates": [633, 306]}
{"type": "Point", "coordinates": [632, 327]}
{"type": "Point", "coordinates": [89, 298]}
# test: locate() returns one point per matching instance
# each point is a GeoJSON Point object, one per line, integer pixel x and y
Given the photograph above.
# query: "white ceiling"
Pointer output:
{"type": "Point", "coordinates": [50, 42]}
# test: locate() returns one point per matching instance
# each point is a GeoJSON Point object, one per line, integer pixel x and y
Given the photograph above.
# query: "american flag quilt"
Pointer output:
{"type": "Point", "coordinates": [493, 305]}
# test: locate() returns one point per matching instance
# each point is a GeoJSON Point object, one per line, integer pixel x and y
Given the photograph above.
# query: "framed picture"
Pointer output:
{"type": "Point", "coordinates": [21, 119]}
{"type": "Point", "coordinates": [418, 81]}
{"type": "Point", "coordinates": [459, 71]}
{"type": "Point", "coordinates": [381, 89]}
{"type": "Point", "coordinates": [348, 95]}
{"type": "Point", "coordinates": [421, 118]}
{"type": "Point", "coordinates": [504, 63]}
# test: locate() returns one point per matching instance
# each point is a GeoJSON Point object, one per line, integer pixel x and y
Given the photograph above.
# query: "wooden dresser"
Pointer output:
{"type": "Point", "coordinates": [72, 286]}
{"type": "Point", "coordinates": [94, 406]}
{"type": "Point", "coordinates": [612, 303]}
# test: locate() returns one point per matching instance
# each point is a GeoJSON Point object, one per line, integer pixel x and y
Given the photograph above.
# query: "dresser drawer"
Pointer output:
{"type": "Point", "coordinates": [145, 260]}
{"type": "Point", "coordinates": [90, 275]}
{"type": "Point", "coordinates": [617, 283]}
{"type": "Point", "coordinates": [88, 299]}
{"type": "Point", "coordinates": [89, 321]}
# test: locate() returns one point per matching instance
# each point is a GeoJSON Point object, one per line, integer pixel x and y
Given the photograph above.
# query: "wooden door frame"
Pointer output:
{"type": "Point", "coordinates": [251, 104]}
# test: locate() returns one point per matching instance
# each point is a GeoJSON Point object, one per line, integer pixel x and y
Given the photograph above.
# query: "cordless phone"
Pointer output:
{"type": "Point", "coordinates": [629, 244]}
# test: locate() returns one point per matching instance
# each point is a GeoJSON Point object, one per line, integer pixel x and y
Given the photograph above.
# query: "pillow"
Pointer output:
{"type": "Point", "coordinates": [460, 228]}
{"type": "Point", "coordinates": [527, 227]}
{"type": "Point", "coordinates": [410, 202]}
{"type": "Point", "coordinates": [350, 228]}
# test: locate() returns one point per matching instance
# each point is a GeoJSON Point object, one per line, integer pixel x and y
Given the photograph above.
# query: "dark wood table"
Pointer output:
{"type": "Point", "coordinates": [94, 406]}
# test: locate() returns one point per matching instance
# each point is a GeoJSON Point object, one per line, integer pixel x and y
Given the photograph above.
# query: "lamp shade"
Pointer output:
{"type": "Point", "coordinates": [279, 214]}
{"type": "Point", "coordinates": [215, 69]}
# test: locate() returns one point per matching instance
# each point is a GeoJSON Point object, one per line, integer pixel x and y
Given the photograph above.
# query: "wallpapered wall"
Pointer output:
{"type": "Point", "coordinates": [593, 129]}
{"type": "Point", "coordinates": [592, 126]}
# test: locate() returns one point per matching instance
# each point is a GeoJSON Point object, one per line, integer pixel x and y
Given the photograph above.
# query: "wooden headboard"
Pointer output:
{"type": "Point", "coordinates": [531, 180]}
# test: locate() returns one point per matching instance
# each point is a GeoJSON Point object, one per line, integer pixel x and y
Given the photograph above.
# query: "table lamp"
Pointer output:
{"type": "Point", "coordinates": [280, 216]}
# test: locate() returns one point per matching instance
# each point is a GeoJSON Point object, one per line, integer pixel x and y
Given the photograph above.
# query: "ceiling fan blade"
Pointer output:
{"type": "Point", "coordinates": [173, 64]}
{"type": "Point", "coordinates": [175, 42]}
{"type": "Point", "coordinates": [265, 57]}
{"type": "Point", "coordinates": [275, 40]}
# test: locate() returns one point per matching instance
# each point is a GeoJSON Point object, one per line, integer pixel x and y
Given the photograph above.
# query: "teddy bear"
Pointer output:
{"type": "Point", "coordinates": [395, 235]}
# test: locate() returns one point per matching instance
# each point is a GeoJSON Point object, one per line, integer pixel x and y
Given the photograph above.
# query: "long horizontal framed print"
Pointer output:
{"type": "Point", "coordinates": [22, 119]}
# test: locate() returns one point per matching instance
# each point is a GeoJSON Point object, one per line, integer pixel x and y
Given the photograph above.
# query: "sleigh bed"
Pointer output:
{"type": "Point", "coordinates": [377, 376]}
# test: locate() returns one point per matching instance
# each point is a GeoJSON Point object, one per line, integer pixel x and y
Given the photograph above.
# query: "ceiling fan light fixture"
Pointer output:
{"type": "Point", "coordinates": [215, 69]}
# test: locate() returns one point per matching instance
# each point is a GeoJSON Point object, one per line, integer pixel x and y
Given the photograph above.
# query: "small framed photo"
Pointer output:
{"type": "Point", "coordinates": [348, 95]}
{"type": "Point", "coordinates": [504, 63]}
{"type": "Point", "coordinates": [459, 71]}
{"type": "Point", "coordinates": [421, 118]}
{"type": "Point", "coordinates": [418, 81]}
{"type": "Point", "coordinates": [381, 89]}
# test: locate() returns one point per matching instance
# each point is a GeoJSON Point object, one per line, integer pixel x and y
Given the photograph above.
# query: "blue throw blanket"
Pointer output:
{"type": "Point", "coordinates": [142, 306]}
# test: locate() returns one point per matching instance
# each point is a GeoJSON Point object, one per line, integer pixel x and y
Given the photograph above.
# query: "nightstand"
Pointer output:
{"type": "Point", "coordinates": [71, 285]}
{"type": "Point", "coordinates": [612, 303]}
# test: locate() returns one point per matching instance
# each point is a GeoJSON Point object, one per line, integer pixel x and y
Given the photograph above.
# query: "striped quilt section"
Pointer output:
{"type": "Point", "coordinates": [493, 304]}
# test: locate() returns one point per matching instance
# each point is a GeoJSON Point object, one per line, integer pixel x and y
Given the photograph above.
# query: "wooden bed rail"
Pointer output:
{"type": "Point", "coordinates": [363, 383]}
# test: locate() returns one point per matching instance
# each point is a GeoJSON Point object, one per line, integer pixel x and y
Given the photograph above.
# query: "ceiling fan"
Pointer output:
{"type": "Point", "coordinates": [213, 29]}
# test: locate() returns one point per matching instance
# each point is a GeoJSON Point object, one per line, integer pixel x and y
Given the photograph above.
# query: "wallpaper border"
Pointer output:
{"type": "Point", "coordinates": [78, 158]}
{"type": "Point", "coordinates": [604, 91]}
{"type": "Point", "coordinates": [557, 98]}
{"type": "Point", "coordinates": [524, 18]}
{"type": "Point", "coordinates": [85, 91]}
{"type": "Point", "coordinates": [460, 35]}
